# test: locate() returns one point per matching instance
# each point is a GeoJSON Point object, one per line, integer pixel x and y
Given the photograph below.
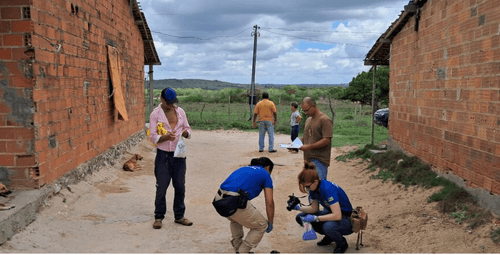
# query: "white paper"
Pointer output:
{"type": "Point", "coordinates": [297, 143]}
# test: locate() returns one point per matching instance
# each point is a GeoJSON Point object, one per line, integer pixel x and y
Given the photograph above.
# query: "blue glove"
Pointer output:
{"type": "Point", "coordinates": [297, 207]}
{"type": "Point", "coordinates": [269, 227]}
{"type": "Point", "coordinates": [309, 218]}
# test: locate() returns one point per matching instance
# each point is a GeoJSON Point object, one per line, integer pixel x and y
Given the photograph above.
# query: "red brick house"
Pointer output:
{"type": "Point", "coordinates": [71, 84]}
{"type": "Point", "coordinates": [444, 59]}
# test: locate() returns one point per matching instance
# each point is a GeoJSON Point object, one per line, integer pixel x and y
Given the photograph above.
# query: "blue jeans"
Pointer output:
{"type": "Point", "coordinates": [295, 132]}
{"type": "Point", "coordinates": [321, 168]}
{"type": "Point", "coordinates": [169, 168]}
{"type": "Point", "coordinates": [263, 127]}
{"type": "Point", "coordinates": [335, 230]}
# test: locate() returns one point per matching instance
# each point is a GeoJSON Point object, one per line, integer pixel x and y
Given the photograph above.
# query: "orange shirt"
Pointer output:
{"type": "Point", "coordinates": [265, 110]}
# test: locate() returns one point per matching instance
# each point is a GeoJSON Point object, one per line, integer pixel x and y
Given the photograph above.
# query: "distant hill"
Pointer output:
{"type": "Point", "coordinates": [218, 85]}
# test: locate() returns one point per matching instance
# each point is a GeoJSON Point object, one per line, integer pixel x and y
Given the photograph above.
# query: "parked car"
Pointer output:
{"type": "Point", "coordinates": [382, 117]}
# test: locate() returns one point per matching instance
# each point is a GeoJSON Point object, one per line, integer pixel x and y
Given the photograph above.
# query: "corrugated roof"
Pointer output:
{"type": "Point", "coordinates": [150, 54]}
{"type": "Point", "coordinates": [380, 53]}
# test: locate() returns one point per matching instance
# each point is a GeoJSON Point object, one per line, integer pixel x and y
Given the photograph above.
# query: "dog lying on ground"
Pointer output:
{"type": "Point", "coordinates": [131, 164]}
{"type": "Point", "coordinates": [4, 191]}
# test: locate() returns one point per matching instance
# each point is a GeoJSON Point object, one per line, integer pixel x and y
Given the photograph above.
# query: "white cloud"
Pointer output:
{"type": "Point", "coordinates": [166, 50]}
{"type": "Point", "coordinates": [217, 44]}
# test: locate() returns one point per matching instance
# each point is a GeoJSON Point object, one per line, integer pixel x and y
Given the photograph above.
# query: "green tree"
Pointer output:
{"type": "Point", "coordinates": [360, 88]}
{"type": "Point", "coordinates": [336, 92]}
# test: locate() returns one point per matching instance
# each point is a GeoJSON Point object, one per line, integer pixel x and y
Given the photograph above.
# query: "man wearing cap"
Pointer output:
{"type": "Point", "coordinates": [168, 167]}
{"type": "Point", "coordinates": [266, 110]}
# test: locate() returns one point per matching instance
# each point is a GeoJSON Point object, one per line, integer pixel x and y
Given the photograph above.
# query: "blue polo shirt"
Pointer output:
{"type": "Point", "coordinates": [329, 193]}
{"type": "Point", "coordinates": [252, 179]}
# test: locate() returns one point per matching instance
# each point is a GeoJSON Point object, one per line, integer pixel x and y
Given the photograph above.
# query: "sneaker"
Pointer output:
{"type": "Point", "coordinates": [261, 150]}
{"type": "Point", "coordinates": [157, 224]}
{"type": "Point", "coordinates": [325, 241]}
{"type": "Point", "coordinates": [341, 248]}
{"type": "Point", "coordinates": [184, 222]}
{"type": "Point", "coordinates": [273, 151]}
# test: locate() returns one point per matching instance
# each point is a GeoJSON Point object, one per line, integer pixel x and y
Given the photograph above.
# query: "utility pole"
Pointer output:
{"type": "Point", "coordinates": [151, 89]}
{"type": "Point", "coordinates": [373, 99]}
{"type": "Point", "coordinates": [255, 34]}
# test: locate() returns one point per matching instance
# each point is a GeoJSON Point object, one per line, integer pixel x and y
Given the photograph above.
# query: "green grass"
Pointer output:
{"type": "Point", "coordinates": [410, 171]}
{"type": "Point", "coordinates": [363, 153]}
{"type": "Point", "coordinates": [495, 235]}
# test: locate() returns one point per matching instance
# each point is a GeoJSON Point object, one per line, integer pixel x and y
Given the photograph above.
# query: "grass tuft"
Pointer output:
{"type": "Point", "coordinates": [363, 153]}
{"type": "Point", "coordinates": [495, 235]}
{"type": "Point", "coordinates": [410, 171]}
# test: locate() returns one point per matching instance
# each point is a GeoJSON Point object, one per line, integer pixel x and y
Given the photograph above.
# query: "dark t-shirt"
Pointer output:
{"type": "Point", "coordinates": [316, 129]}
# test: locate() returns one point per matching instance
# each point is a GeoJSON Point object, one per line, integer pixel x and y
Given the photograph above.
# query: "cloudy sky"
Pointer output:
{"type": "Point", "coordinates": [300, 42]}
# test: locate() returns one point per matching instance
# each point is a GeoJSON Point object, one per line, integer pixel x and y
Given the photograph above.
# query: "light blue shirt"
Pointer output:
{"type": "Point", "coordinates": [293, 118]}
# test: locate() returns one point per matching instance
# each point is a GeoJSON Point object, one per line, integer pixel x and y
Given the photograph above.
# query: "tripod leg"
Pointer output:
{"type": "Point", "coordinates": [357, 243]}
{"type": "Point", "coordinates": [361, 238]}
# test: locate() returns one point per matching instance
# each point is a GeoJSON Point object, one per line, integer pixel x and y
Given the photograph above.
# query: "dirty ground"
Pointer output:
{"type": "Point", "coordinates": [112, 211]}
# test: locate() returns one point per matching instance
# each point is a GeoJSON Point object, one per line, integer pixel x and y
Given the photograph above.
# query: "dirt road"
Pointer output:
{"type": "Point", "coordinates": [112, 211]}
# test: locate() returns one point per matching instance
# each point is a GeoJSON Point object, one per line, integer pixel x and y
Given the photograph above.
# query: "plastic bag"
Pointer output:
{"type": "Point", "coordinates": [309, 233]}
{"type": "Point", "coordinates": [180, 149]}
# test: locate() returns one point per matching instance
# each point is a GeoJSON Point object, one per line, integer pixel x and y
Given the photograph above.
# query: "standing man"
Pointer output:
{"type": "Point", "coordinates": [233, 202]}
{"type": "Point", "coordinates": [168, 167]}
{"type": "Point", "coordinates": [317, 137]}
{"type": "Point", "coordinates": [266, 110]}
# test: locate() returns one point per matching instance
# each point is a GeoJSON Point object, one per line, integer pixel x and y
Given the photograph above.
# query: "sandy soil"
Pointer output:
{"type": "Point", "coordinates": [112, 211]}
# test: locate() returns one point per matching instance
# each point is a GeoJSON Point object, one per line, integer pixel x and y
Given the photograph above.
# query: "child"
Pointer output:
{"type": "Point", "coordinates": [294, 122]}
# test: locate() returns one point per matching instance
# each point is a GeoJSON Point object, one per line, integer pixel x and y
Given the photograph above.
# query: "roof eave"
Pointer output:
{"type": "Point", "coordinates": [379, 54]}
{"type": "Point", "coordinates": [150, 54]}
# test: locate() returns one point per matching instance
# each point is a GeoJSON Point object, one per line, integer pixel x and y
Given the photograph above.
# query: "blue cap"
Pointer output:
{"type": "Point", "coordinates": [170, 96]}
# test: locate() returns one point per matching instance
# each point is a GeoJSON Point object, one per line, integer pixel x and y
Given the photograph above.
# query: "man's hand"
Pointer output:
{"type": "Point", "coordinates": [306, 147]}
{"type": "Point", "coordinates": [170, 136]}
{"type": "Point", "coordinates": [254, 125]}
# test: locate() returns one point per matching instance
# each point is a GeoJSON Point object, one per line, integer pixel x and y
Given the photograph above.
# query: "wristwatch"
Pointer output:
{"type": "Point", "coordinates": [316, 218]}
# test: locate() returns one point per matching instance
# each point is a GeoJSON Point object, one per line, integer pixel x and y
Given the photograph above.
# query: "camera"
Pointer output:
{"type": "Point", "coordinates": [292, 202]}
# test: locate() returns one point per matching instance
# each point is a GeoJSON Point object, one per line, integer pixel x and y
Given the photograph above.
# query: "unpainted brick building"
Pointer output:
{"type": "Point", "coordinates": [444, 59]}
{"type": "Point", "coordinates": [71, 83]}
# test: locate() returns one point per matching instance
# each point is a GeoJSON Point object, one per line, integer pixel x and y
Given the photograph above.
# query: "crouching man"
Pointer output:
{"type": "Point", "coordinates": [233, 202]}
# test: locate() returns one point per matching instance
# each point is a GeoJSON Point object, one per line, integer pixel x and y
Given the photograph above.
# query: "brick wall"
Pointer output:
{"type": "Point", "coordinates": [445, 89]}
{"type": "Point", "coordinates": [54, 61]}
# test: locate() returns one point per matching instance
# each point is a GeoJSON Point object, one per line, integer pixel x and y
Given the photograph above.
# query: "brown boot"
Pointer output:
{"type": "Point", "coordinates": [184, 222]}
{"type": "Point", "coordinates": [157, 224]}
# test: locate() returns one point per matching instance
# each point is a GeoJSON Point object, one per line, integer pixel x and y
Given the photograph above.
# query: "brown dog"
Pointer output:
{"type": "Point", "coordinates": [131, 164]}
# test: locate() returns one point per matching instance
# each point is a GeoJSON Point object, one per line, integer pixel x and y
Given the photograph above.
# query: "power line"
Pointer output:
{"type": "Point", "coordinates": [276, 33]}
{"type": "Point", "coordinates": [308, 39]}
{"type": "Point", "coordinates": [199, 38]}
{"type": "Point", "coordinates": [324, 31]}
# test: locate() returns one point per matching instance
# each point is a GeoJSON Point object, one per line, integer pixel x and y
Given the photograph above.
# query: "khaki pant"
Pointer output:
{"type": "Point", "coordinates": [250, 218]}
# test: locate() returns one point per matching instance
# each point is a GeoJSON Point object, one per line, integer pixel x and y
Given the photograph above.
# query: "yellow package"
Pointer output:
{"type": "Point", "coordinates": [160, 129]}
